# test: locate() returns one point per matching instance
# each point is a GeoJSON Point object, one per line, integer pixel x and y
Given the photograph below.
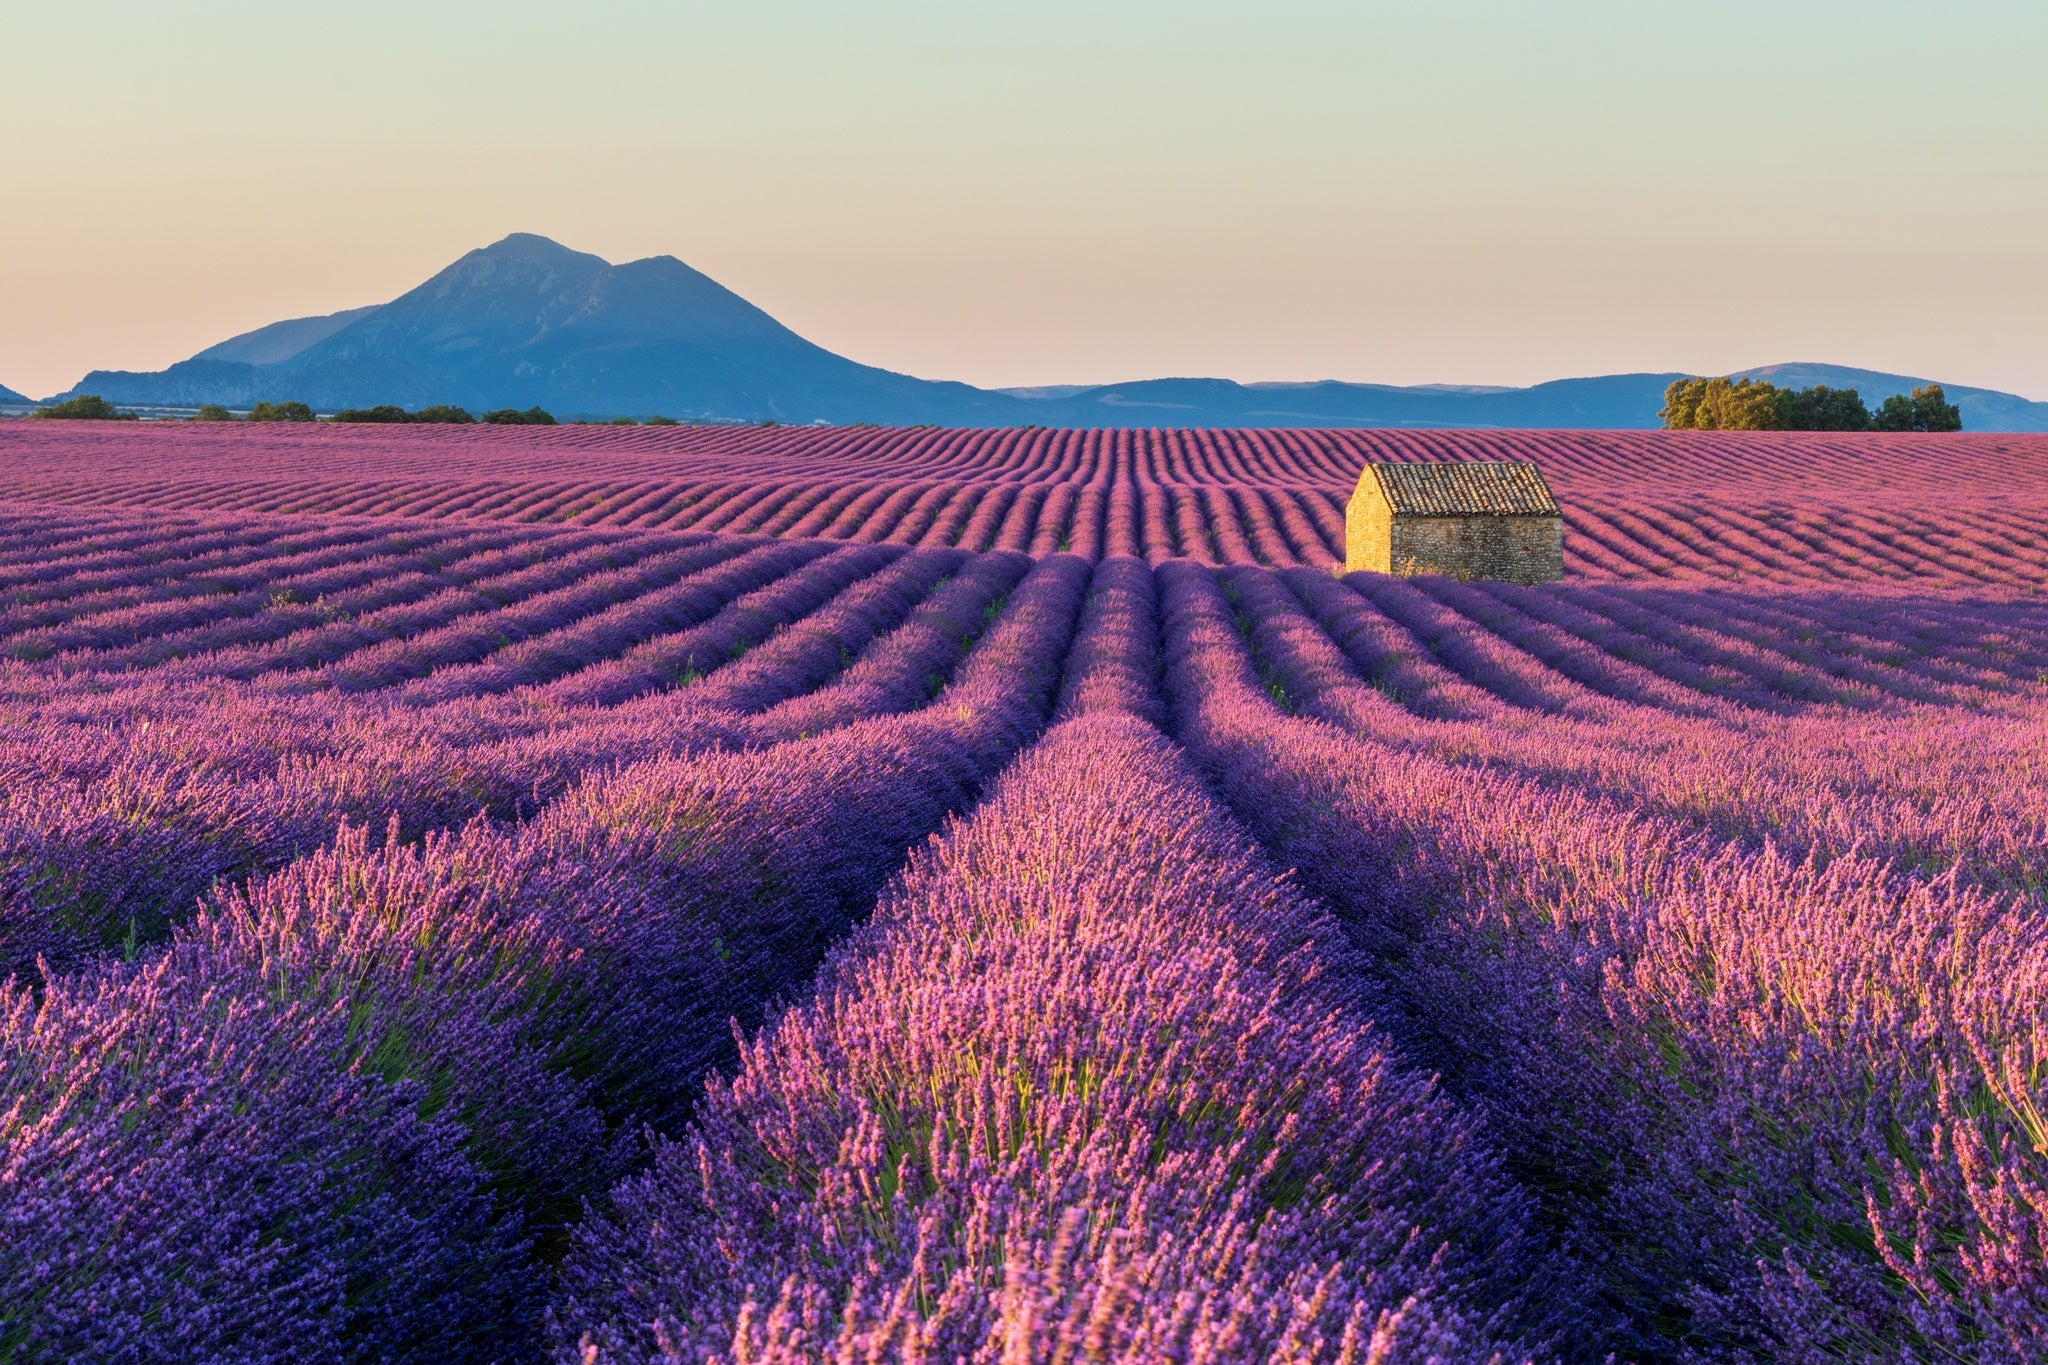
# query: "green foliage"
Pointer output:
{"type": "Point", "coordinates": [87, 407]}
{"type": "Point", "coordinates": [1895, 415]}
{"type": "Point", "coordinates": [1755, 405]}
{"type": "Point", "coordinates": [514, 417]}
{"type": "Point", "coordinates": [1721, 405]}
{"type": "Point", "coordinates": [1821, 408]}
{"type": "Point", "coordinates": [212, 412]}
{"type": "Point", "coordinates": [623, 422]}
{"type": "Point", "coordinates": [389, 412]}
{"type": "Point", "coordinates": [659, 421]}
{"type": "Point", "coordinates": [290, 410]}
{"type": "Point", "coordinates": [1926, 409]}
{"type": "Point", "coordinates": [1933, 412]}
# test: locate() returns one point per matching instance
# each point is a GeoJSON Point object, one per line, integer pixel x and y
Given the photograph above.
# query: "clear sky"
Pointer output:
{"type": "Point", "coordinates": [1048, 192]}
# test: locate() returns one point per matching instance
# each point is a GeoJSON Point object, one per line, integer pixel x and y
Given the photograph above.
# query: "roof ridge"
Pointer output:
{"type": "Point", "coordinates": [1464, 488]}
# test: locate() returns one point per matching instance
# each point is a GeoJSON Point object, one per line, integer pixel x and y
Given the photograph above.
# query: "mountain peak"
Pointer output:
{"type": "Point", "coordinates": [531, 246]}
{"type": "Point", "coordinates": [528, 321]}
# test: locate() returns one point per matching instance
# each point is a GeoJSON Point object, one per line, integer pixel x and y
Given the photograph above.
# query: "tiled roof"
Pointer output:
{"type": "Point", "coordinates": [1465, 489]}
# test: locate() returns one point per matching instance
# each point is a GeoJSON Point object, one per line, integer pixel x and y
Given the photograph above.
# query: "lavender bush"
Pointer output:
{"type": "Point", "coordinates": [1033, 1114]}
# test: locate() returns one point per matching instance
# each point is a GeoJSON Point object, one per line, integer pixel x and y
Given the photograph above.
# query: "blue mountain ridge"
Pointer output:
{"type": "Point", "coordinates": [10, 399]}
{"type": "Point", "coordinates": [280, 341]}
{"type": "Point", "coordinates": [528, 321]}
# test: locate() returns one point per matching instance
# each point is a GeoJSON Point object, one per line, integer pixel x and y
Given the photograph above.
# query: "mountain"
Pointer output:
{"type": "Point", "coordinates": [528, 321]}
{"type": "Point", "coordinates": [1605, 402]}
{"type": "Point", "coordinates": [280, 341]}
{"type": "Point", "coordinates": [1611, 401]}
{"type": "Point", "coordinates": [10, 399]}
{"type": "Point", "coordinates": [1983, 409]}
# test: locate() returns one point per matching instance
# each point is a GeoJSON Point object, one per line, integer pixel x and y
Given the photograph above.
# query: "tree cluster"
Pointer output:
{"type": "Point", "coordinates": [442, 413]}
{"type": "Point", "coordinates": [1757, 405]}
{"type": "Point", "coordinates": [293, 411]}
{"type": "Point", "coordinates": [87, 407]}
{"type": "Point", "coordinates": [1926, 409]}
{"type": "Point", "coordinates": [289, 411]}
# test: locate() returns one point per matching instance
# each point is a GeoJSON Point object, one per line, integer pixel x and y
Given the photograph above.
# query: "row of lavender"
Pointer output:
{"type": "Point", "coordinates": [357, 608]}
{"type": "Point", "coordinates": [1033, 1113]}
{"type": "Point", "coordinates": [1742, 465]}
{"type": "Point", "coordinates": [1701, 1100]}
{"type": "Point", "coordinates": [1557, 658]}
{"type": "Point", "coordinates": [1677, 536]}
{"type": "Point", "coordinates": [410, 899]}
{"type": "Point", "coordinates": [127, 800]}
{"type": "Point", "coordinates": [160, 787]}
{"type": "Point", "coordinates": [1781, 1106]}
{"type": "Point", "coordinates": [446, 1042]}
{"type": "Point", "coordinates": [167, 789]}
{"type": "Point", "coordinates": [1245, 525]}
{"type": "Point", "coordinates": [348, 1111]}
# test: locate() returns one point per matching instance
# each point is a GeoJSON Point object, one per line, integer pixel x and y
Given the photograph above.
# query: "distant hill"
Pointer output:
{"type": "Point", "coordinates": [1611, 401]}
{"type": "Point", "coordinates": [528, 321]}
{"type": "Point", "coordinates": [280, 341]}
{"type": "Point", "coordinates": [1605, 402]}
{"type": "Point", "coordinates": [10, 399]}
{"type": "Point", "coordinates": [1983, 409]}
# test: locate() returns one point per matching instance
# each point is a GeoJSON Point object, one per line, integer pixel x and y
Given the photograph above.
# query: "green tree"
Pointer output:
{"type": "Point", "coordinates": [514, 417]}
{"type": "Point", "coordinates": [1682, 399]}
{"type": "Point", "coordinates": [1721, 405]}
{"type": "Point", "coordinates": [212, 412]}
{"type": "Point", "coordinates": [1933, 412]}
{"type": "Point", "coordinates": [288, 411]}
{"type": "Point", "coordinates": [87, 407]}
{"type": "Point", "coordinates": [659, 421]}
{"type": "Point", "coordinates": [1821, 408]}
{"type": "Point", "coordinates": [1758, 405]}
{"type": "Point", "coordinates": [388, 412]}
{"type": "Point", "coordinates": [1745, 405]}
{"type": "Point", "coordinates": [1925, 409]}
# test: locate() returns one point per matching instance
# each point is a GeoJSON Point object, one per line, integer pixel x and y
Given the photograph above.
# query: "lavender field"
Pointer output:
{"type": "Point", "coordinates": [731, 895]}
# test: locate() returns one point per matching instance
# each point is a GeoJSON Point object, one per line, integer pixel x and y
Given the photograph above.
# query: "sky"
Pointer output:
{"type": "Point", "coordinates": [1052, 192]}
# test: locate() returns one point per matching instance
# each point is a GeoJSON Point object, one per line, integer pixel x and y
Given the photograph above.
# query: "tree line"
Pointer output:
{"type": "Point", "coordinates": [447, 414]}
{"type": "Point", "coordinates": [1757, 405]}
{"type": "Point", "coordinates": [262, 412]}
{"type": "Point", "coordinates": [91, 407]}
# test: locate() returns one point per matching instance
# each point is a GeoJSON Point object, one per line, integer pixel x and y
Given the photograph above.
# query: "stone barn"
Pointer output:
{"type": "Point", "coordinates": [1462, 520]}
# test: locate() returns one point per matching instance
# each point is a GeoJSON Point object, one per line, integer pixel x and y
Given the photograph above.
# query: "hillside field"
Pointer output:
{"type": "Point", "coordinates": [778, 894]}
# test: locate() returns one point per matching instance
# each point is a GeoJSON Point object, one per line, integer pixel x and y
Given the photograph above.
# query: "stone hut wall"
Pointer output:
{"type": "Point", "coordinates": [1512, 549]}
{"type": "Point", "coordinates": [1368, 532]}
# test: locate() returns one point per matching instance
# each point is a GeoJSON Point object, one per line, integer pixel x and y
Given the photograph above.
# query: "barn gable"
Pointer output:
{"type": "Point", "coordinates": [1463, 520]}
